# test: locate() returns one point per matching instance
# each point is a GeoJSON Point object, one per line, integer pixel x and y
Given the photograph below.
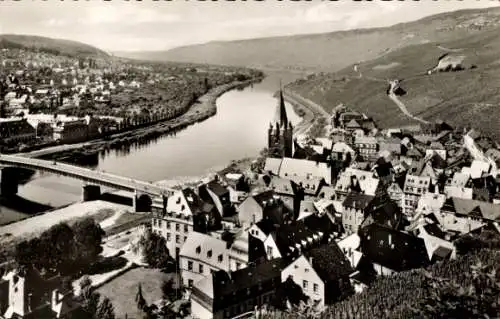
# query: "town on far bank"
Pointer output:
{"type": "Point", "coordinates": [342, 219]}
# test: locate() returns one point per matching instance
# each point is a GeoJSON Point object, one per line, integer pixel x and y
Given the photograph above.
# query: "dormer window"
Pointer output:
{"type": "Point", "coordinates": [209, 253]}
{"type": "Point", "coordinates": [183, 207]}
{"type": "Point", "coordinates": [198, 249]}
{"type": "Point", "coordinates": [178, 200]}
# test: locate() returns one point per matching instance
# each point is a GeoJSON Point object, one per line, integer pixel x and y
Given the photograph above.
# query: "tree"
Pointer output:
{"type": "Point", "coordinates": [105, 310]}
{"type": "Point", "coordinates": [90, 301]}
{"type": "Point", "coordinates": [155, 250]}
{"type": "Point", "coordinates": [169, 291]}
{"type": "Point", "coordinates": [88, 238]}
{"type": "Point", "coordinates": [139, 299]}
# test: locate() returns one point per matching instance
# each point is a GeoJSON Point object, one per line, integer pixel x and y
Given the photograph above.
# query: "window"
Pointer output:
{"type": "Point", "coordinates": [177, 227]}
{"type": "Point", "coordinates": [186, 228]}
{"type": "Point", "coordinates": [200, 269]}
{"type": "Point", "coordinates": [190, 265]}
{"type": "Point", "coordinates": [306, 270]}
{"type": "Point", "coordinates": [168, 237]}
{"type": "Point", "coordinates": [238, 265]}
{"type": "Point", "coordinates": [209, 253]}
{"type": "Point", "coordinates": [183, 207]}
{"type": "Point", "coordinates": [177, 239]}
{"type": "Point", "coordinates": [198, 249]}
{"type": "Point", "coordinates": [304, 284]}
{"type": "Point", "coordinates": [159, 223]}
{"type": "Point", "coordinates": [190, 283]}
{"type": "Point", "coordinates": [315, 288]}
{"type": "Point", "coordinates": [269, 250]}
{"type": "Point", "coordinates": [185, 238]}
{"type": "Point", "coordinates": [168, 225]}
{"type": "Point", "coordinates": [221, 258]}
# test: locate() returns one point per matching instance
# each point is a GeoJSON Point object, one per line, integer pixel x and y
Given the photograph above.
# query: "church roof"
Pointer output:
{"type": "Point", "coordinates": [280, 116]}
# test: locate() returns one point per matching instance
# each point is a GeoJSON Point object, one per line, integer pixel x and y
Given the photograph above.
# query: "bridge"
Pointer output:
{"type": "Point", "coordinates": [144, 192]}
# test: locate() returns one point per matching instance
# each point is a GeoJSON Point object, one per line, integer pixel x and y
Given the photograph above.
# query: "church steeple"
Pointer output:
{"type": "Point", "coordinates": [280, 116]}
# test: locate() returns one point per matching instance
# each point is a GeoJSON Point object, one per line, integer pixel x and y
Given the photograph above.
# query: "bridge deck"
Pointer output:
{"type": "Point", "coordinates": [85, 174]}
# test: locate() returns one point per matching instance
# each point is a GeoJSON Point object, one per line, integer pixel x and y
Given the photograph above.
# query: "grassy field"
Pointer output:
{"type": "Point", "coordinates": [122, 290]}
{"type": "Point", "coordinates": [463, 98]}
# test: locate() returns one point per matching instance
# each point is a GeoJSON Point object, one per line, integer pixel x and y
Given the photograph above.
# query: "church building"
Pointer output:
{"type": "Point", "coordinates": [280, 133]}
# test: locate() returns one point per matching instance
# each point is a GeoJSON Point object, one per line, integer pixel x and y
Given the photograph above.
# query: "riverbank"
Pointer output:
{"type": "Point", "coordinates": [201, 110]}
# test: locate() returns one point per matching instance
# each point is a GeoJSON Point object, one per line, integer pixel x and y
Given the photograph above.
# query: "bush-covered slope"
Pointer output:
{"type": "Point", "coordinates": [463, 98]}
{"type": "Point", "coordinates": [330, 51]}
{"type": "Point", "coordinates": [49, 45]}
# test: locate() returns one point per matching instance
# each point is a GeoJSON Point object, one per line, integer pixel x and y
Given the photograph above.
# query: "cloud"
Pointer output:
{"type": "Point", "coordinates": [125, 15]}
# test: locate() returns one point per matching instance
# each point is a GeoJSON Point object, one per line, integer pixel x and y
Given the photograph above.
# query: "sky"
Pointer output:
{"type": "Point", "coordinates": [120, 25]}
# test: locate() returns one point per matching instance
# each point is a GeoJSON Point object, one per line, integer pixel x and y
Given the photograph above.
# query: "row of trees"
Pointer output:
{"type": "Point", "coordinates": [62, 248]}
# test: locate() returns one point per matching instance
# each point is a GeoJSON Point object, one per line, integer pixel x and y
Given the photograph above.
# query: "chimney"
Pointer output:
{"type": "Point", "coordinates": [311, 261]}
{"type": "Point", "coordinates": [55, 297]}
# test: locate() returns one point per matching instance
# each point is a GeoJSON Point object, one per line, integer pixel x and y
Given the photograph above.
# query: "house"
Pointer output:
{"type": "Point", "coordinates": [265, 205]}
{"type": "Point", "coordinates": [289, 241]}
{"type": "Point", "coordinates": [392, 145]}
{"type": "Point", "coordinates": [213, 192]}
{"type": "Point", "coordinates": [353, 212]}
{"type": "Point", "coordinates": [438, 248]}
{"type": "Point", "coordinates": [30, 296]}
{"type": "Point", "coordinates": [200, 256]}
{"type": "Point", "coordinates": [16, 130]}
{"type": "Point", "coordinates": [459, 186]}
{"type": "Point", "coordinates": [232, 294]}
{"type": "Point", "coordinates": [472, 209]}
{"type": "Point", "coordinates": [414, 187]}
{"type": "Point", "coordinates": [238, 253]}
{"type": "Point", "coordinates": [367, 147]}
{"type": "Point", "coordinates": [70, 131]}
{"type": "Point", "coordinates": [357, 180]}
{"type": "Point", "coordinates": [390, 250]}
{"type": "Point", "coordinates": [340, 151]}
{"type": "Point", "coordinates": [383, 211]}
{"type": "Point", "coordinates": [323, 273]}
{"type": "Point", "coordinates": [301, 168]}
{"type": "Point", "coordinates": [185, 212]}
{"type": "Point", "coordinates": [396, 193]}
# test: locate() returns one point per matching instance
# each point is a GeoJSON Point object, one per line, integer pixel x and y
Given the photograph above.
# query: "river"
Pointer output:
{"type": "Point", "coordinates": [238, 130]}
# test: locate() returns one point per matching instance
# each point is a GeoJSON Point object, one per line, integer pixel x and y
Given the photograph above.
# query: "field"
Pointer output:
{"type": "Point", "coordinates": [122, 290]}
{"type": "Point", "coordinates": [464, 98]}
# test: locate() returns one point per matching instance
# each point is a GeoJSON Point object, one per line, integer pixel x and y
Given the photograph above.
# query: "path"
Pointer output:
{"type": "Point", "coordinates": [403, 108]}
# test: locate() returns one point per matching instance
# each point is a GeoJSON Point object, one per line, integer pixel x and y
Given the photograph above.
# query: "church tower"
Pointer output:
{"type": "Point", "coordinates": [280, 133]}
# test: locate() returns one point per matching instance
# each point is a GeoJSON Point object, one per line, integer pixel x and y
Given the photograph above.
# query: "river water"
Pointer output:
{"type": "Point", "coordinates": [238, 130]}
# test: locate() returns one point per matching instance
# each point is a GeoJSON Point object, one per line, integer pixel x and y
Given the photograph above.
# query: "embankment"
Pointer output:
{"type": "Point", "coordinates": [201, 110]}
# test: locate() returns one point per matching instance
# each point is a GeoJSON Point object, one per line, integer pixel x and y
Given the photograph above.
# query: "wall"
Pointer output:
{"type": "Point", "coordinates": [248, 209]}
{"type": "Point", "coordinates": [301, 270]}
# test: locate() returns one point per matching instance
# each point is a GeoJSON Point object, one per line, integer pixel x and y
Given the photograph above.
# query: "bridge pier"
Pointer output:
{"type": "Point", "coordinates": [91, 192]}
{"type": "Point", "coordinates": [8, 181]}
{"type": "Point", "coordinates": [141, 202]}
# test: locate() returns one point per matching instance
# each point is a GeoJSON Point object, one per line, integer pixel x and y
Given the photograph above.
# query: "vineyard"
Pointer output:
{"type": "Point", "coordinates": [405, 295]}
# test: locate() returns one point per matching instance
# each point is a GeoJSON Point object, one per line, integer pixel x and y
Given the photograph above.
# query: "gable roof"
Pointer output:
{"type": "Point", "coordinates": [470, 207]}
{"type": "Point", "coordinates": [282, 186]}
{"type": "Point", "coordinates": [357, 200]}
{"type": "Point", "coordinates": [198, 246]}
{"type": "Point", "coordinates": [273, 165]}
{"type": "Point", "coordinates": [217, 188]}
{"type": "Point", "coordinates": [329, 262]}
{"type": "Point", "coordinates": [299, 167]}
{"type": "Point", "coordinates": [393, 249]}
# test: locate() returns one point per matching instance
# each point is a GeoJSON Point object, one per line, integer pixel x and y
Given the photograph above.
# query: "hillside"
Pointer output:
{"type": "Point", "coordinates": [49, 45]}
{"type": "Point", "coordinates": [330, 51]}
{"type": "Point", "coordinates": [462, 98]}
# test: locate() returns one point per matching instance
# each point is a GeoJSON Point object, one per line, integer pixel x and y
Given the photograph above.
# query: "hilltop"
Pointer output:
{"type": "Point", "coordinates": [330, 51]}
{"type": "Point", "coordinates": [50, 45]}
{"type": "Point", "coordinates": [467, 97]}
